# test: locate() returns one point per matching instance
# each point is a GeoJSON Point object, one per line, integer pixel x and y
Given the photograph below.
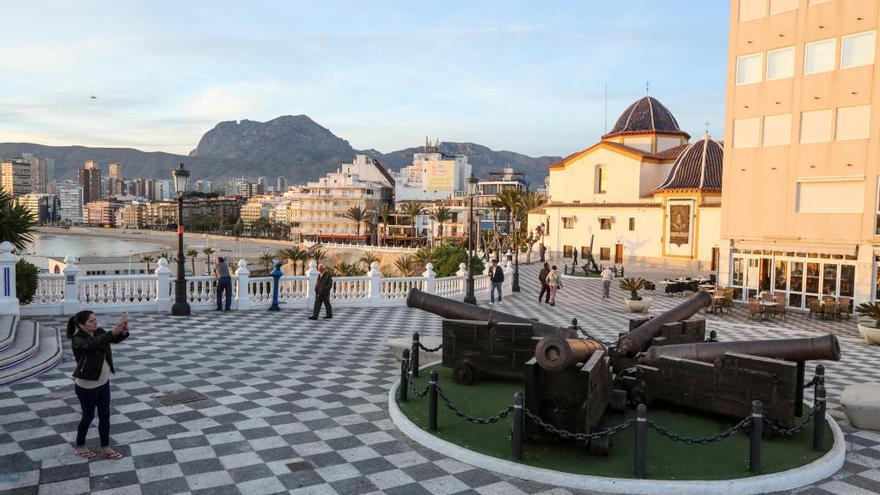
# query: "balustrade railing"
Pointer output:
{"type": "Point", "coordinates": [116, 290]}
{"type": "Point", "coordinates": [396, 289]}
{"type": "Point", "coordinates": [50, 289]}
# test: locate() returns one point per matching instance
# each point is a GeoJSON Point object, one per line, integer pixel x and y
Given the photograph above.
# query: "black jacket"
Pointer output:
{"type": "Point", "coordinates": [498, 275]}
{"type": "Point", "coordinates": [543, 275]}
{"type": "Point", "coordinates": [90, 352]}
{"type": "Point", "coordinates": [325, 285]}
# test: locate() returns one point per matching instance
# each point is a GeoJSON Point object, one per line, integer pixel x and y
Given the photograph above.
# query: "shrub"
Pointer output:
{"type": "Point", "coordinates": [25, 281]}
{"type": "Point", "coordinates": [633, 285]}
{"type": "Point", "coordinates": [870, 310]}
{"type": "Point", "coordinates": [447, 258]}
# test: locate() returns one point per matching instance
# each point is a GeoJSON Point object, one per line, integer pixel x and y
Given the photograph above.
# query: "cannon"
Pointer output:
{"type": "Point", "coordinates": [639, 339]}
{"type": "Point", "coordinates": [556, 353]}
{"type": "Point", "coordinates": [472, 348]}
{"type": "Point", "coordinates": [826, 347]}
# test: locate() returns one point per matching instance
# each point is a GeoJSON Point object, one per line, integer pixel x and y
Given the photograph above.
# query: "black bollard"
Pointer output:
{"type": "Point", "coordinates": [819, 419]}
{"type": "Point", "coordinates": [755, 441]}
{"type": "Point", "coordinates": [799, 389]}
{"type": "Point", "coordinates": [415, 355]}
{"type": "Point", "coordinates": [432, 402]}
{"type": "Point", "coordinates": [641, 441]}
{"type": "Point", "coordinates": [518, 424]}
{"type": "Point", "coordinates": [402, 389]}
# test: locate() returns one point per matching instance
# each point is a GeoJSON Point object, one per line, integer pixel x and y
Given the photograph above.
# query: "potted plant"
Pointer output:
{"type": "Point", "coordinates": [870, 311]}
{"type": "Point", "coordinates": [635, 303]}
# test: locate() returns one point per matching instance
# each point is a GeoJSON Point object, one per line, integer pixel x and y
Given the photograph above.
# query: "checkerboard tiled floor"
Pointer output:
{"type": "Point", "coordinates": [299, 406]}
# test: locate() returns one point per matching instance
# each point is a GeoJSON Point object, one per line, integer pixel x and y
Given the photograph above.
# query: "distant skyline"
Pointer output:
{"type": "Point", "coordinates": [513, 76]}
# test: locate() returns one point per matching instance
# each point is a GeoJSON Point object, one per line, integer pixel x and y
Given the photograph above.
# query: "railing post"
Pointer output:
{"type": "Point", "coordinates": [462, 274]}
{"type": "Point", "coordinates": [430, 279]}
{"type": "Point", "coordinates": [8, 299]}
{"type": "Point", "coordinates": [404, 379]}
{"type": "Point", "coordinates": [518, 423]}
{"type": "Point", "coordinates": [70, 303]}
{"type": "Point", "coordinates": [414, 355]}
{"type": "Point", "coordinates": [242, 295]}
{"type": "Point", "coordinates": [312, 273]}
{"type": "Point", "coordinates": [375, 291]}
{"type": "Point", "coordinates": [163, 286]}
{"type": "Point", "coordinates": [432, 402]}
{"type": "Point", "coordinates": [641, 460]}
{"type": "Point", "coordinates": [755, 440]}
{"type": "Point", "coordinates": [819, 418]}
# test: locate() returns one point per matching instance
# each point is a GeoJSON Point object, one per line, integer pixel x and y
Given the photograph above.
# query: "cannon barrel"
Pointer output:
{"type": "Point", "coordinates": [457, 310]}
{"type": "Point", "coordinates": [555, 353]}
{"type": "Point", "coordinates": [640, 337]}
{"type": "Point", "coordinates": [826, 347]}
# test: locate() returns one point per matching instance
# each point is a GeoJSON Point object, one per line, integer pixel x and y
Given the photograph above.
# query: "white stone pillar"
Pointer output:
{"type": "Point", "coordinates": [864, 275]}
{"type": "Point", "coordinates": [242, 295]}
{"type": "Point", "coordinates": [312, 273]}
{"type": "Point", "coordinates": [462, 272]}
{"type": "Point", "coordinates": [163, 286]}
{"type": "Point", "coordinates": [70, 302]}
{"type": "Point", "coordinates": [8, 299]}
{"type": "Point", "coordinates": [375, 291]}
{"type": "Point", "coordinates": [430, 279]}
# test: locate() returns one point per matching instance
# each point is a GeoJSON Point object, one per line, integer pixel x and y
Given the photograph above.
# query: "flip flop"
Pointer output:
{"type": "Point", "coordinates": [85, 454]}
{"type": "Point", "coordinates": [111, 455]}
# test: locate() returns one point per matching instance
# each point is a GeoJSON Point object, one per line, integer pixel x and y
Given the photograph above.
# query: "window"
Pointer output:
{"type": "Point", "coordinates": [780, 6]}
{"type": "Point", "coordinates": [567, 222]}
{"type": "Point", "coordinates": [746, 133]}
{"type": "Point", "coordinates": [752, 9]}
{"type": "Point", "coordinates": [605, 224]}
{"type": "Point", "coordinates": [601, 179]}
{"type": "Point", "coordinates": [780, 63]}
{"type": "Point", "coordinates": [585, 252]}
{"type": "Point", "coordinates": [819, 56]}
{"type": "Point", "coordinates": [815, 126]}
{"type": "Point", "coordinates": [566, 251]}
{"type": "Point", "coordinates": [748, 69]}
{"type": "Point", "coordinates": [814, 197]}
{"type": "Point", "coordinates": [853, 123]}
{"type": "Point", "coordinates": [857, 50]}
{"type": "Point", "coordinates": [632, 223]}
{"type": "Point", "coordinates": [777, 130]}
{"type": "Point", "coordinates": [604, 254]}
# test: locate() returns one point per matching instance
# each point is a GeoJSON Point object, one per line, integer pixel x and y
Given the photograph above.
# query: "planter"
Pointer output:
{"type": "Point", "coordinates": [870, 333]}
{"type": "Point", "coordinates": [640, 306]}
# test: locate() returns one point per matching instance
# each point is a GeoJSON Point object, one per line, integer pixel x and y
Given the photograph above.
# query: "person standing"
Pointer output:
{"type": "Point", "coordinates": [545, 289]}
{"type": "Point", "coordinates": [554, 283]}
{"type": "Point", "coordinates": [322, 294]}
{"type": "Point", "coordinates": [224, 283]}
{"type": "Point", "coordinates": [94, 364]}
{"type": "Point", "coordinates": [496, 275]}
{"type": "Point", "coordinates": [607, 277]}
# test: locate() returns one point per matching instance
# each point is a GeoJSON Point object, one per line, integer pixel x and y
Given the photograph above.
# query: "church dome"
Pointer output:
{"type": "Point", "coordinates": [697, 168]}
{"type": "Point", "coordinates": [646, 115]}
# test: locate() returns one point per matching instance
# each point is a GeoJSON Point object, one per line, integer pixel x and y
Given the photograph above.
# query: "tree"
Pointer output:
{"type": "Point", "coordinates": [266, 259]}
{"type": "Point", "coordinates": [407, 266]}
{"type": "Point", "coordinates": [15, 223]}
{"type": "Point", "coordinates": [317, 254]}
{"type": "Point", "coordinates": [413, 210]}
{"type": "Point", "coordinates": [510, 201]}
{"type": "Point", "coordinates": [356, 214]}
{"type": "Point", "coordinates": [191, 254]}
{"type": "Point", "coordinates": [26, 281]}
{"type": "Point", "coordinates": [441, 215]}
{"type": "Point", "coordinates": [368, 258]}
{"type": "Point", "coordinates": [295, 254]}
{"type": "Point", "coordinates": [147, 259]}
{"type": "Point", "coordinates": [208, 251]}
{"type": "Point", "coordinates": [349, 269]}
{"type": "Point", "coordinates": [383, 213]}
{"type": "Point", "coordinates": [495, 206]}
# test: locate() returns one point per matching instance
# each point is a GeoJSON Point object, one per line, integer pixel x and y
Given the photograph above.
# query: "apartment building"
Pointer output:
{"type": "Point", "coordinates": [258, 207]}
{"type": "Point", "coordinates": [16, 178]}
{"type": "Point", "coordinates": [70, 198]}
{"type": "Point", "coordinates": [800, 208]}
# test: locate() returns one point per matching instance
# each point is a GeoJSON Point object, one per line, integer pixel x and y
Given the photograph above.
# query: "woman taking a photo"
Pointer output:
{"type": "Point", "coordinates": [94, 363]}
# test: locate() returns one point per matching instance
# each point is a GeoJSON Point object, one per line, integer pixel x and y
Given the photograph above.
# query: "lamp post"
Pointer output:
{"type": "Point", "coordinates": [180, 307]}
{"type": "Point", "coordinates": [514, 287]}
{"type": "Point", "coordinates": [472, 190]}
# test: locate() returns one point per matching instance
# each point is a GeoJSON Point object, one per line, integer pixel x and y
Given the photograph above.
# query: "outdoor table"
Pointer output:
{"type": "Point", "coordinates": [768, 305]}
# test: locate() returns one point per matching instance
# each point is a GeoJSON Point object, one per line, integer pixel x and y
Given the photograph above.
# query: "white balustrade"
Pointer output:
{"type": "Point", "coordinates": [293, 289]}
{"type": "Point", "coordinates": [260, 290]}
{"type": "Point", "coordinates": [396, 289]}
{"type": "Point", "coordinates": [350, 289]}
{"type": "Point", "coordinates": [50, 290]}
{"type": "Point", "coordinates": [113, 290]}
{"type": "Point", "coordinates": [202, 290]}
{"type": "Point", "coordinates": [448, 286]}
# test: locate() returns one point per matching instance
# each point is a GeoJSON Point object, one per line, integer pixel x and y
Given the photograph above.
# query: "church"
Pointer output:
{"type": "Point", "coordinates": [643, 194]}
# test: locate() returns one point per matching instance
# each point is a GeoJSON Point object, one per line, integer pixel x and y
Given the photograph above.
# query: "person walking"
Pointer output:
{"type": "Point", "coordinates": [545, 289]}
{"type": "Point", "coordinates": [94, 364]}
{"type": "Point", "coordinates": [607, 277]}
{"type": "Point", "coordinates": [496, 275]}
{"type": "Point", "coordinates": [224, 283]}
{"type": "Point", "coordinates": [322, 294]}
{"type": "Point", "coordinates": [554, 283]}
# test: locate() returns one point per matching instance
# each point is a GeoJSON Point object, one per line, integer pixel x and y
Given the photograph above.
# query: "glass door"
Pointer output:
{"type": "Point", "coordinates": [811, 289]}
{"type": "Point", "coordinates": [796, 285]}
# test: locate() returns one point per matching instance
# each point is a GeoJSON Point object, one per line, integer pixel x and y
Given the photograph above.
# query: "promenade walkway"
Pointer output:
{"type": "Point", "coordinates": [298, 406]}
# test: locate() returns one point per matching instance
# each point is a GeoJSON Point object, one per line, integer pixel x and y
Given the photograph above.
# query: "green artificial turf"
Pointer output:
{"type": "Point", "coordinates": [726, 459]}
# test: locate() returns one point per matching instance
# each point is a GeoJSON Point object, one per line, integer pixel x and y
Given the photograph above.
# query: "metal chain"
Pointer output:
{"type": "Point", "coordinates": [607, 344]}
{"type": "Point", "coordinates": [793, 430]}
{"type": "Point", "coordinates": [412, 385]}
{"type": "Point", "coordinates": [701, 440]}
{"type": "Point", "coordinates": [578, 436]}
{"type": "Point", "coordinates": [477, 421]}
{"type": "Point", "coordinates": [422, 347]}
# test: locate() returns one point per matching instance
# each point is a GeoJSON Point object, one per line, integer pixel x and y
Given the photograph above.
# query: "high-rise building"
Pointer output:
{"type": "Point", "coordinates": [114, 171]}
{"type": "Point", "coordinates": [281, 184]}
{"type": "Point", "coordinates": [43, 207]}
{"type": "Point", "coordinates": [70, 197]}
{"type": "Point", "coordinates": [16, 177]}
{"type": "Point", "coordinates": [800, 198]}
{"type": "Point", "coordinates": [39, 172]}
{"type": "Point", "coordinates": [89, 179]}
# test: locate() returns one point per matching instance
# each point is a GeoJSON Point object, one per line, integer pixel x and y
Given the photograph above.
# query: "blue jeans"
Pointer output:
{"type": "Point", "coordinates": [224, 286]}
{"type": "Point", "coordinates": [496, 285]}
{"type": "Point", "coordinates": [89, 399]}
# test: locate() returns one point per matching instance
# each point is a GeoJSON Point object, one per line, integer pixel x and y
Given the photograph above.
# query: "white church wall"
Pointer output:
{"type": "Point", "coordinates": [578, 181]}
{"type": "Point", "coordinates": [710, 233]}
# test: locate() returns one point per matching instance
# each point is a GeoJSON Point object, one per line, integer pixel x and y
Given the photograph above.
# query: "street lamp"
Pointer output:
{"type": "Point", "coordinates": [472, 191]}
{"type": "Point", "coordinates": [180, 307]}
{"type": "Point", "coordinates": [514, 287]}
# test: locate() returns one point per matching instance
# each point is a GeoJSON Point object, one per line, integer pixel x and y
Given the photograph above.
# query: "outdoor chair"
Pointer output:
{"type": "Point", "coordinates": [719, 302]}
{"type": "Point", "coordinates": [755, 308]}
{"type": "Point", "coordinates": [779, 309]}
{"type": "Point", "coordinates": [831, 310]}
{"type": "Point", "coordinates": [728, 299]}
{"type": "Point", "coordinates": [815, 309]}
{"type": "Point", "coordinates": [650, 285]}
{"type": "Point", "coordinates": [844, 307]}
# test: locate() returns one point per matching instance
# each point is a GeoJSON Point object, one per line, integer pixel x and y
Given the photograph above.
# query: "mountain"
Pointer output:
{"type": "Point", "coordinates": [293, 146]}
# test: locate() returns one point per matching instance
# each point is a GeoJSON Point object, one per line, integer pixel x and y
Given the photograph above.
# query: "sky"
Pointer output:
{"type": "Point", "coordinates": [526, 76]}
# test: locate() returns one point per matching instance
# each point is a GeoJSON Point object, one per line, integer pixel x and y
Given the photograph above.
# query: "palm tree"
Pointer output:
{"type": "Point", "coordinates": [147, 259]}
{"type": "Point", "coordinates": [317, 254]}
{"type": "Point", "coordinates": [208, 251]}
{"type": "Point", "coordinates": [266, 259]}
{"type": "Point", "coordinates": [295, 255]}
{"type": "Point", "coordinates": [495, 206]}
{"type": "Point", "coordinates": [15, 223]}
{"type": "Point", "coordinates": [383, 213]}
{"type": "Point", "coordinates": [191, 254]}
{"type": "Point", "coordinates": [509, 199]}
{"type": "Point", "coordinates": [356, 214]}
{"type": "Point", "coordinates": [368, 258]}
{"type": "Point", "coordinates": [413, 210]}
{"type": "Point", "coordinates": [407, 266]}
{"type": "Point", "coordinates": [441, 215]}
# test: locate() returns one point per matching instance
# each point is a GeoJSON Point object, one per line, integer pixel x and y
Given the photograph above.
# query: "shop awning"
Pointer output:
{"type": "Point", "coordinates": [797, 247]}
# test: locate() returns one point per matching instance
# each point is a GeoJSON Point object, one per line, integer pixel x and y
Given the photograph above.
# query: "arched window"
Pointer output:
{"type": "Point", "coordinates": [601, 179]}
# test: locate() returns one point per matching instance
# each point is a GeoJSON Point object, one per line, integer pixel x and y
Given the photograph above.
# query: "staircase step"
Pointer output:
{"type": "Point", "coordinates": [26, 344]}
{"type": "Point", "coordinates": [8, 325]}
{"type": "Point", "coordinates": [47, 357]}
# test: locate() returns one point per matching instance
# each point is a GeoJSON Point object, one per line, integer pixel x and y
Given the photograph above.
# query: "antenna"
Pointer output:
{"type": "Point", "coordinates": [647, 88]}
{"type": "Point", "coordinates": [707, 127]}
{"type": "Point", "coordinates": [606, 108]}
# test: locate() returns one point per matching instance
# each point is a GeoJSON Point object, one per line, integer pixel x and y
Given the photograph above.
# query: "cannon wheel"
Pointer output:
{"type": "Point", "coordinates": [464, 373]}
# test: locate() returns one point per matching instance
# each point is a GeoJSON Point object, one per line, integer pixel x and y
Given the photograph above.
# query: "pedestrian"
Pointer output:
{"type": "Point", "coordinates": [322, 294]}
{"type": "Point", "coordinates": [575, 255]}
{"type": "Point", "coordinates": [496, 275]}
{"type": "Point", "coordinates": [94, 364]}
{"type": "Point", "coordinates": [224, 283]}
{"type": "Point", "coordinates": [554, 283]}
{"type": "Point", "coordinates": [607, 277]}
{"type": "Point", "coordinates": [545, 289]}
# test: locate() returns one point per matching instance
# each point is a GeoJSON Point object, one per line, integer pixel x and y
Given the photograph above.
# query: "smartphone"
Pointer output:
{"type": "Point", "coordinates": [124, 318]}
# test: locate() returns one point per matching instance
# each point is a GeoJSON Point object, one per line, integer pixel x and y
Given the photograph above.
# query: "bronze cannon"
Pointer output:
{"type": "Point", "coordinates": [640, 338]}
{"type": "Point", "coordinates": [555, 353]}
{"type": "Point", "coordinates": [826, 347]}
